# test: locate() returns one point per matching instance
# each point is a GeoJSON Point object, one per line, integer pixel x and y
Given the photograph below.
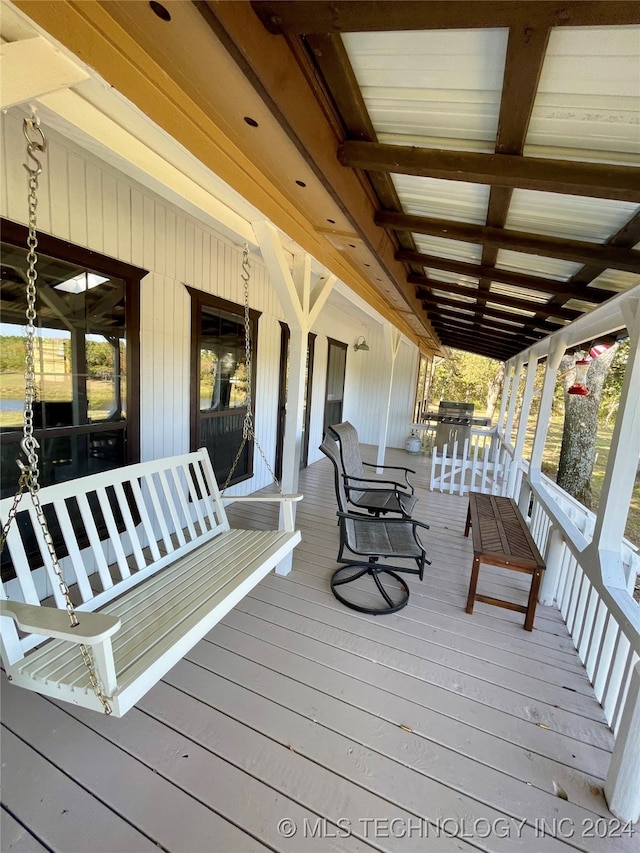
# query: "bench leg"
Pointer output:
{"type": "Point", "coordinates": [284, 566]}
{"type": "Point", "coordinates": [468, 524]}
{"type": "Point", "coordinates": [475, 571]}
{"type": "Point", "coordinates": [533, 600]}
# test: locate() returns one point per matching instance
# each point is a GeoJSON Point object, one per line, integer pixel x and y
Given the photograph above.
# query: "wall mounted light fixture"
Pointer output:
{"type": "Point", "coordinates": [361, 344]}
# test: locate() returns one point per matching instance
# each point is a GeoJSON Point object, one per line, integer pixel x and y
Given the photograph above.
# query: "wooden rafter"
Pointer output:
{"type": "Point", "coordinates": [341, 16]}
{"type": "Point", "coordinates": [314, 27]}
{"type": "Point", "coordinates": [441, 319]}
{"type": "Point", "coordinates": [482, 332]}
{"type": "Point", "coordinates": [596, 180]}
{"type": "Point", "coordinates": [497, 298]}
{"type": "Point", "coordinates": [564, 289]}
{"type": "Point", "coordinates": [430, 300]}
{"type": "Point", "coordinates": [605, 256]}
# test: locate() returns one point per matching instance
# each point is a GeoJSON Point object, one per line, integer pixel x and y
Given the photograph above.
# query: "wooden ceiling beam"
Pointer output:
{"type": "Point", "coordinates": [496, 298]}
{"type": "Point", "coordinates": [432, 301]}
{"type": "Point", "coordinates": [351, 115]}
{"type": "Point", "coordinates": [480, 347]}
{"type": "Point", "coordinates": [604, 255]}
{"type": "Point", "coordinates": [343, 16]}
{"type": "Point", "coordinates": [513, 279]}
{"type": "Point", "coordinates": [287, 83]}
{"type": "Point", "coordinates": [595, 180]}
{"type": "Point", "coordinates": [527, 327]}
{"type": "Point", "coordinates": [439, 316]}
{"type": "Point", "coordinates": [445, 329]}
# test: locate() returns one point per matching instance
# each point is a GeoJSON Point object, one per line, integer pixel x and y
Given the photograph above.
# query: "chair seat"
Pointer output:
{"type": "Point", "coordinates": [383, 540]}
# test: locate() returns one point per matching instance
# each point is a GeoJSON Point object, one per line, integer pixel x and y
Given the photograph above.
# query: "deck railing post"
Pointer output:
{"type": "Point", "coordinates": [553, 559]}
{"type": "Point", "coordinates": [622, 788]}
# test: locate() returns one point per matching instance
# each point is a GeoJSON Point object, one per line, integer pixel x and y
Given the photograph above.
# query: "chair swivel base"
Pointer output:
{"type": "Point", "coordinates": [395, 596]}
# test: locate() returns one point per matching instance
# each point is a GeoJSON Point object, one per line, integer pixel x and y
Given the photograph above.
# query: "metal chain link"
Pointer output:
{"type": "Point", "coordinates": [247, 425]}
{"type": "Point", "coordinates": [29, 473]}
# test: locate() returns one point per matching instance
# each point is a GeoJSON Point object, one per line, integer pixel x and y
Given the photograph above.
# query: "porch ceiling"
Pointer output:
{"type": "Point", "coordinates": [499, 142]}
{"type": "Point", "coordinates": [473, 165]}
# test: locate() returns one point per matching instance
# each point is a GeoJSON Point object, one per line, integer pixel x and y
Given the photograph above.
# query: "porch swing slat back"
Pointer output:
{"type": "Point", "coordinates": [150, 547]}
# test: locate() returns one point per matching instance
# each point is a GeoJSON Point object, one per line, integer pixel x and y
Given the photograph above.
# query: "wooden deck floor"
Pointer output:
{"type": "Point", "coordinates": [299, 725]}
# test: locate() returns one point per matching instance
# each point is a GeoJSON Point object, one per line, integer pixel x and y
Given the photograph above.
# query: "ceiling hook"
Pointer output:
{"type": "Point", "coordinates": [31, 126]}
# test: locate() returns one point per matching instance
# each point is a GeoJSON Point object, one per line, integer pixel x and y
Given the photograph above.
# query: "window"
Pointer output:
{"type": "Point", "coordinates": [86, 409]}
{"type": "Point", "coordinates": [219, 382]}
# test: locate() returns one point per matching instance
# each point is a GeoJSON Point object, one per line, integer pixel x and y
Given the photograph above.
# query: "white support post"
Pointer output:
{"type": "Point", "coordinates": [622, 787]}
{"type": "Point", "coordinates": [392, 342]}
{"type": "Point", "coordinates": [301, 304]}
{"type": "Point", "coordinates": [522, 424]}
{"type": "Point", "coordinates": [508, 378]}
{"type": "Point", "coordinates": [515, 380]}
{"type": "Point", "coordinates": [293, 420]}
{"type": "Point", "coordinates": [619, 478]}
{"type": "Point", "coordinates": [553, 559]}
{"type": "Point", "coordinates": [546, 401]}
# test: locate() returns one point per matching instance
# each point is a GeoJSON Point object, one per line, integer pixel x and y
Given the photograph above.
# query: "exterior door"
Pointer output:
{"type": "Point", "coordinates": [334, 396]}
{"type": "Point", "coordinates": [219, 387]}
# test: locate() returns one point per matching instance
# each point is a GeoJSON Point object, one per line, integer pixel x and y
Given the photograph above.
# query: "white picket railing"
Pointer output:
{"type": "Point", "coordinates": [603, 620]}
{"type": "Point", "coordinates": [481, 464]}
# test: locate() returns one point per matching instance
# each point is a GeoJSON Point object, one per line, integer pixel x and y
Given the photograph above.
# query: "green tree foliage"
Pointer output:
{"type": "Point", "coordinates": [12, 354]}
{"type": "Point", "coordinates": [467, 378]}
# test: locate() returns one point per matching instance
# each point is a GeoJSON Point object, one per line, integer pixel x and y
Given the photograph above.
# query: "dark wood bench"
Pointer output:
{"type": "Point", "coordinates": [501, 538]}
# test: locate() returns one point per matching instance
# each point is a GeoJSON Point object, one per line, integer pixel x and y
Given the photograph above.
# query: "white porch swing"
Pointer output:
{"type": "Point", "coordinates": [148, 561]}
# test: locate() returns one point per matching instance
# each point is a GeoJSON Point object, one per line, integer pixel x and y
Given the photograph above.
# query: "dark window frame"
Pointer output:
{"type": "Point", "coordinates": [200, 299]}
{"type": "Point", "coordinates": [16, 235]}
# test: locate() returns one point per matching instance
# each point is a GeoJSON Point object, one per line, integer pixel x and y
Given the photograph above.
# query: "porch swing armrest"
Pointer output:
{"type": "Point", "coordinates": [261, 498]}
{"type": "Point", "coordinates": [93, 628]}
{"type": "Point", "coordinates": [287, 522]}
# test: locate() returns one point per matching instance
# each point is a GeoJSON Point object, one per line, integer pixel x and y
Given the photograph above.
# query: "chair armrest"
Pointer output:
{"type": "Point", "coordinates": [93, 628]}
{"type": "Point", "coordinates": [384, 468]}
{"type": "Point", "coordinates": [356, 516]}
{"type": "Point", "coordinates": [389, 467]}
{"type": "Point", "coordinates": [378, 485]}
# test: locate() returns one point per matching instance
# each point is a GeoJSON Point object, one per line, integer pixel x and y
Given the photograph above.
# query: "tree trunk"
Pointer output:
{"type": "Point", "coordinates": [493, 391]}
{"type": "Point", "coordinates": [577, 453]}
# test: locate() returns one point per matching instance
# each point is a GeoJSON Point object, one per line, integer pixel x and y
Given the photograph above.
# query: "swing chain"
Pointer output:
{"type": "Point", "coordinates": [247, 425]}
{"type": "Point", "coordinates": [29, 473]}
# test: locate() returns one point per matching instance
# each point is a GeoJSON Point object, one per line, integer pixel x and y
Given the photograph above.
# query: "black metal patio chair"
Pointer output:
{"type": "Point", "coordinates": [371, 539]}
{"type": "Point", "coordinates": [377, 493]}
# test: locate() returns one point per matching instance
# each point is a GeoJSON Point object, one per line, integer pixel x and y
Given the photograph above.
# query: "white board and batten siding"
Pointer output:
{"type": "Point", "coordinates": [375, 395]}
{"type": "Point", "coordinates": [90, 204]}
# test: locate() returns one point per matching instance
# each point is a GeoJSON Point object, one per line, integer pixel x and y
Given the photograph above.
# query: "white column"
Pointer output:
{"type": "Point", "coordinates": [293, 420]}
{"type": "Point", "coordinates": [553, 560]}
{"type": "Point", "coordinates": [554, 358]}
{"type": "Point", "coordinates": [622, 788]}
{"type": "Point", "coordinates": [508, 377]}
{"type": "Point", "coordinates": [619, 479]}
{"type": "Point", "coordinates": [391, 344]}
{"type": "Point", "coordinates": [515, 381]}
{"type": "Point", "coordinates": [523, 422]}
{"type": "Point", "coordinates": [301, 304]}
